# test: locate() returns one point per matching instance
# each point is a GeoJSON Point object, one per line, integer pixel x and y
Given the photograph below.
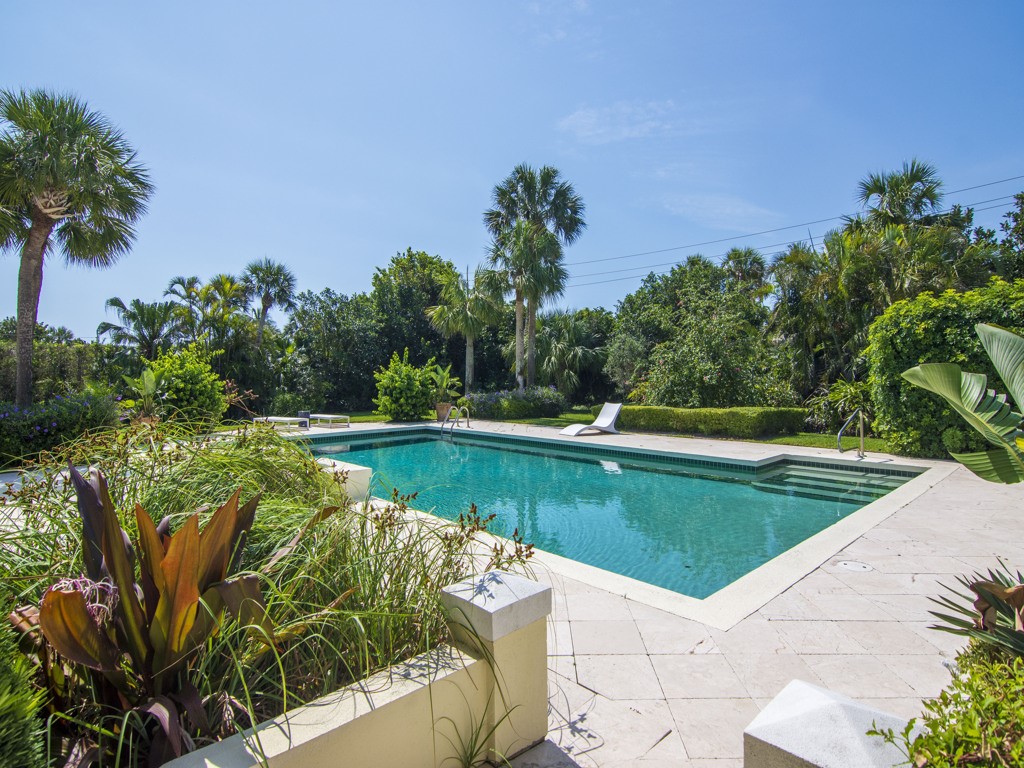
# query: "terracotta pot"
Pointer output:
{"type": "Point", "coordinates": [442, 410]}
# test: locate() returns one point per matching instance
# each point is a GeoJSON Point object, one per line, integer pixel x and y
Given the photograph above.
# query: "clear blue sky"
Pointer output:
{"type": "Point", "coordinates": [332, 135]}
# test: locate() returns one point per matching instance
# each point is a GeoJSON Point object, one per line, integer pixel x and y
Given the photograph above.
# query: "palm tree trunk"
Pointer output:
{"type": "Point", "coordinates": [519, 341]}
{"type": "Point", "coordinates": [531, 344]}
{"type": "Point", "coordinates": [30, 282]}
{"type": "Point", "coordinates": [469, 363]}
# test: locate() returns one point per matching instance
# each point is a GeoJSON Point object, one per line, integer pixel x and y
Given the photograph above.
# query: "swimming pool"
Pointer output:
{"type": "Point", "coordinates": [686, 524]}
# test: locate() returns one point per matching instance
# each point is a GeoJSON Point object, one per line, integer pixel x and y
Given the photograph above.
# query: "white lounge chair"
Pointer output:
{"type": "Point", "coordinates": [331, 418]}
{"type": "Point", "coordinates": [605, 421]}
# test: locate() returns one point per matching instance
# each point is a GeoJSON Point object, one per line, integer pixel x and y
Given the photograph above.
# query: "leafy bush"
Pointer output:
{"type": "Point", "coordinates": [531, 403]}
{"type": "Point", "coordinates": [831, 406]}
{"type": "Point", "coordinates": [730, 422]}
{"type": "Point", "coordinates": [978, 720]}
{"type": "Point", "coordinates": [25, 432]}
{"type": "Point", "coordinates": [404, 392]}
{"type": "Point", "coordinates": [290, 403]}
{"type": "Point", "coordinates": [934, 329]}
{"type": "Point", "coordinates": [21, 742]}
{"type": "Point", "coordinates": [194, 393]}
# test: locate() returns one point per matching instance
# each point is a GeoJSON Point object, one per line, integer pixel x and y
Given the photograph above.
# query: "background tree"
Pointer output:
{"type": "Point", "coordinates": [148, 328]}
{"type": "Point", "coordinates": [272, 285]}
{"type": "Point", "coordinates": [901, 197]}
{"type": "Point", "coordinates": [466, 310]}
{"type": "Point", "coordinates": [401, 293]}
{"type": "Point", "coordinates": [535, 200]}
{"type": "Point", "coordinates": [69, 180]}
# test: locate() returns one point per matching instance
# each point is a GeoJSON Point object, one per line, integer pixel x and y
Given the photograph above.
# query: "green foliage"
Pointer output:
{"type": "Point", "coordinates": [692, 338]}
{"type": "Point", "coordinates": [194, 393]}
{"type": "Point", "coordinates": [728, 422]}
{"type": "Point", "coordinates": [337, 348]}
{"type": "Point", "coordinates": [991, 614]}
{"type": "Point", "coordinates": [290, 403]}
{"type": "Point", "coordinates": [21, 742]}
{"type": "Point", "coordinates": [987, 412]}
{"type": "Point", "coordinates": [25, 432]}
{"type": "Point", "coordinates": [445, 385]}
{"type": "Point", "coordinates": [404, 392]}
{"type": "Point", "coordinates": [978, 720]}
{"type": "Point", "coordinates": [147, 392]}
{"type": "Point", "coordinates": [61, 367]}
{"type": "Point", "coordinates": [402, 292]}
{"type": "Point", "coordinates": [929, 329]}
{"type": "Point", "coordinates": [349, 593]}
{"type": "Point", "coordinates": [830, 408]}
{"type": "Point", "coordinates": [511, 405]}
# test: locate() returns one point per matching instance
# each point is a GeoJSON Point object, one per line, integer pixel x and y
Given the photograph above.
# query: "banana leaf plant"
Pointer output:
{"type": "Point", "coordinates": [989, 413]}
{"type": "Point", "coordinates": [137, 634]}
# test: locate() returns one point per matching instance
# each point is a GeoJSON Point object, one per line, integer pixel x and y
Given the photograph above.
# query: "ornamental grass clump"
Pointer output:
{"type": "Point", "coordinates": [142, 656]}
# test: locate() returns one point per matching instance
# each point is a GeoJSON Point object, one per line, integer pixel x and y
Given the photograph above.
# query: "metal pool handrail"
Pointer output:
{"type": "Point", "coordinates": [457, 420]}
{"type": "Point", "coordinates": [839, 438]}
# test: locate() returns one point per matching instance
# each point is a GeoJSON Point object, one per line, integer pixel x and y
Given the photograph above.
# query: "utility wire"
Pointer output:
{"type": "Point", "coordinates": [768, 231]}
{"type": "Point", "coordinates": [675, 263]}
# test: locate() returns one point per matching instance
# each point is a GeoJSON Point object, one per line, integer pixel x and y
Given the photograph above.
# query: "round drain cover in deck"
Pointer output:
{"type": "Point", "coordinates": [853, 565]}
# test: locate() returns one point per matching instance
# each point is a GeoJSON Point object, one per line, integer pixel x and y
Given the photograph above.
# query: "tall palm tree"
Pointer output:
{"type": "Point", "coordinates": [68, 180]}
{"type": "Point", "coordinates": [189, 305]}
{"type": "Point", "coordinates": [149, 328]}
{"type": "Point", "coordinates": [566, 349]}
{"type": "Point", "coordinates": [467, 310]}
{"type": "Point", "coordinates": [518, 257]}
{"type": "Point", "coordinates": [901, 197]}
{"type": "Point", "coordinates": [541, 199]}
{"type": "Point", "coordinates": [273, 284]}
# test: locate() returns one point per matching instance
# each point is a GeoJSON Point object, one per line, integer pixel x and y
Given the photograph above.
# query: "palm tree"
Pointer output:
{"type": "Point", "coordinates": [189, 306]}
{"type": "Point", "coordinates": [901, 197]}
{"type": "Point", "coordinates": [467, 311]}
{"type": "Point", "coordinates": [274, 284]}
{"type": "Point", "coordinates": [518, 255]}
{"type": "Point", "coordinates": [566, 349]}
{"type": "Point", "coordinates": [149, 328]}
{"type": "Point", "coordinates": [541, 199]}
{"type": "Point", "coordinates": [69, 180]}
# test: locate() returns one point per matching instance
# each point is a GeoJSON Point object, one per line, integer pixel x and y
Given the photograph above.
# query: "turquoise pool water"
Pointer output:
{"type": "Point", "coordinates": [692, 530]}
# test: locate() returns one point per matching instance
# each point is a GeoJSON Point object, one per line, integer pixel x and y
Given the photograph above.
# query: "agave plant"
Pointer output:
{"type": "Point", "coordinates": [138, 635]}
{"type": "Point", "coordinates": [989, 413]}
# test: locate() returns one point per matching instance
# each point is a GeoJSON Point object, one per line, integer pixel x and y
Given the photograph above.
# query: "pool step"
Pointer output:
{"type": "Point", "coordinates": [828, 485]}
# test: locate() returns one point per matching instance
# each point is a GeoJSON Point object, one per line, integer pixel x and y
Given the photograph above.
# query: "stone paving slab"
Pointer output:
{"type": "Point", "coordinates": [862, 633]}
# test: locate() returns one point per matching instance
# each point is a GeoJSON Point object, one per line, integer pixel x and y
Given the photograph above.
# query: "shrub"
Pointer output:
{"type": "Point", "coordinates": [531, 403]}
{"type": "Point", "coordinates": [21, 742]}
{"type": "Point", "coordinates": [194, 393]}
{"type": "Point", "coordinates": [290, 403]}
{"type": "Point", "coordinates": [729, 422]}
{"type": "Point", "coordinates": [977, 720]}
{"type": "Point", "coordinates": [58, 368]}
{"type": "Point", "coordinates": [404, 392]}
{"type": "Point", "coordinates": [934, 329]}
{"type": "Point", "coordinates": [25, 432]}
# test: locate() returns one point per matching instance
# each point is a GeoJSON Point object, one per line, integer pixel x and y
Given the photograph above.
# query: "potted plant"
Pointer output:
{"type": "Point", "coordinates": [147, 396]}
{"type": "Point", "coordinates": [445, 390]}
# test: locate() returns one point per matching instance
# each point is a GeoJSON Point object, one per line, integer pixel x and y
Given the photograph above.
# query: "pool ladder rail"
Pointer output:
{"type": "Point", "coordinates": [839, 438]}
{"type": "Point", "coordinates": [457, 421]}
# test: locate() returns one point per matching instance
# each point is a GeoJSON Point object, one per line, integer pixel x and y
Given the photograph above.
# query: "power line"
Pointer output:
{"type": "Point", "coordinates": [766, 231]}
{"type": "Point", "coordinates": [773, 245]}
{"type": "Point", "coordinates": [675, 263]}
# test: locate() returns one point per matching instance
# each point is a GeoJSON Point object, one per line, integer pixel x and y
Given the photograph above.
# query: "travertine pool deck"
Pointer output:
{"type": "Point", "coordinates": [631, 684]}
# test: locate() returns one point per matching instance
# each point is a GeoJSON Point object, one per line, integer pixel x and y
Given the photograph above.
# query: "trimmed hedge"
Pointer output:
{"type": "Point", "coordinates": [531, 403]}
{"type": "Point", "coordinates": [728, 422]}
{"type": "Point", "coordinates": [934, 329]}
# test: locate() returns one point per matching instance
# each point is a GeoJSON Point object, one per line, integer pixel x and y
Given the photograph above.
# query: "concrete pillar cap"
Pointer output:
{"type": "Point", "coordinates": [495, 604]}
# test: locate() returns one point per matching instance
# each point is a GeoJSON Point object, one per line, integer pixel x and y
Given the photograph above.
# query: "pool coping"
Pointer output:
{"type": "Point", "coordinates": [737, 600]}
